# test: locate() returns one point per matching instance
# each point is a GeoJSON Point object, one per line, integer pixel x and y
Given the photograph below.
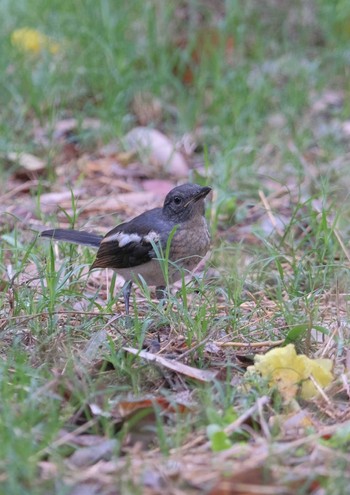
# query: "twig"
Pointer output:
{"type": "Point", "coordinates": [193, 348]}
{"type": "Point", "coordinates": [183, 369]}
{"type": "Point", "coordinates": [64, 439]}
{"type": "Point", "coordinates": [341, 242]}
{"type": "Point", "coordinates": [320, 391]}
{"type": "Point", "coordinates": [262, 420]}
{"type": "Point", "coordinates": [266, 343]}
{"type": "Point", "coordinates": [269, 212]}
{"type": "Point", "coordinates": [329, 342]}
{"type": "Point", "coordinates": [259, 404]}
{"type": "Point", "coordinates": [22, 187]}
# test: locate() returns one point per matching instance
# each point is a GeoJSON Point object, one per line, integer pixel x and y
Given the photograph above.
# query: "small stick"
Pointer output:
{"type": "Point", "coordinates": [267, 343]}
{"type": "Point", "coordinates": [320, 391]}
{"type": "Point", "coordinates": [269, 212]}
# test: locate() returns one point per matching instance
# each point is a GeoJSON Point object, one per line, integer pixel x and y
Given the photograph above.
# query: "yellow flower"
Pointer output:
{"type": "Point", "coordinates": [32, 41]}
{"type": "Point", "coordinates": [288, 371]}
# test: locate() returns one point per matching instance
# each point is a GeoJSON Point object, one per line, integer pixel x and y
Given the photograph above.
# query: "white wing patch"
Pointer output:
{"type": "Point", "coordinates": [152, 236]}
{"type": "Point", "coordinates": [122, 238]}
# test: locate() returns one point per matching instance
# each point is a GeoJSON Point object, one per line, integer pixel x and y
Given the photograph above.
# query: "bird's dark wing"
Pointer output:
{"type": "Point", "coordinates": [110, 255]}
{"type": "Point", "coordinates": [130, 244]}
{"type": "Point", "coordinates": [142, 224]}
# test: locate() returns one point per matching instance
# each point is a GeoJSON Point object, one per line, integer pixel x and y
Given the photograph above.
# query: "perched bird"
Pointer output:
{"type": "Point", "coordinates": [128, 249]}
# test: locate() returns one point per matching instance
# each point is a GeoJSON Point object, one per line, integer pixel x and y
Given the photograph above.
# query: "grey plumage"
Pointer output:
{"type": "Point", "coordinates": [129, 248]}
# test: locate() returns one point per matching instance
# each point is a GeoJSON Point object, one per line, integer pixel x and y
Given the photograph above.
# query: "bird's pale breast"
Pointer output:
{"type": "Point", "coordinates": [190, 243]}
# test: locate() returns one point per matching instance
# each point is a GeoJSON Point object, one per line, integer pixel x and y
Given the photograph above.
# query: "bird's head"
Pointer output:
{"type": "Point", "coordinates": [185, 202]}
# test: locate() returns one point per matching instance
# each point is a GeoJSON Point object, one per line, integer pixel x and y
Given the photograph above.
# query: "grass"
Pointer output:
{"type": "Point", "coordinates": [268, 120]}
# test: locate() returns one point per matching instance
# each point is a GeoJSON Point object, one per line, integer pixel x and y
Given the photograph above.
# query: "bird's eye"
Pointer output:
{"type": "Point", "coordinates": [177, 200]}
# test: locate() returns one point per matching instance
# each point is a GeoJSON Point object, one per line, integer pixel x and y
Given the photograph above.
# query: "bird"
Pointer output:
{"type": "Point", "coordinates": [130, 249]}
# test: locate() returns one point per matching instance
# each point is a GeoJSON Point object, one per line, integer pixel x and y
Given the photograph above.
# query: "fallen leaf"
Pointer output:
{"type": "Point", "coordinates": [28, 162]}
{"type": "Point", "coordinates": [289, 371]}
{"type": "Point", "coordinates": [54, 198]}
{"type": "Point", "coordinates": [24, 187]}
{"type": "Point", "coordinates": [86, 456]}
{"type": "Point", "coordinates": [157, 148]}
{"type": "Point", "coordinates": [125, 409]}
{"type": "Point", "coordinates": [154, 480]}
{"type": "Point", "coordinates": [130, 203]}
{"type": "Point", "coordinates": [252, 481]}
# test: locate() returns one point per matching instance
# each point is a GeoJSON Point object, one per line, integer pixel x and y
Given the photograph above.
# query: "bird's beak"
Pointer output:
{"type": "Point", "coordinates": [202, 194]}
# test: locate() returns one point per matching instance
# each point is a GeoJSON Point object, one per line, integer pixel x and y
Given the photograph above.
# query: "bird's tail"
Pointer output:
{"type": "Point", "coordinates": [73, 236]}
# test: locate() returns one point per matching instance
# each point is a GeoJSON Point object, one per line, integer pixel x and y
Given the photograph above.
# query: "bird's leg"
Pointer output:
{"type": "Point", "coordinates": [160, 292]}
{"type": "Point", "coordinates": [126, 294]}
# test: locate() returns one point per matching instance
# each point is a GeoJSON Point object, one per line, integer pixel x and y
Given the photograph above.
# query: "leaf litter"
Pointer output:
{"type": "Point", "coordinates": [265, 450]}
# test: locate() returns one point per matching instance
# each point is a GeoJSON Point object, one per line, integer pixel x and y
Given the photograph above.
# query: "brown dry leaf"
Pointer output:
{"type": "Point", "coordinates": [87, 456]}
{"type": "Point", "coordinates": [130, 203]}
{"type": "Point", "coordinates": [255, 481]}
{"type": "Point", "coordinates": [154, 480]}
{"type": "Point", "coordinates": [126, 409]}
{"type": "Point", "coordinates": [118, 164]}
{"type": "Point", "coordinates": [156, 148]}
{"type": "Point", "coordinates": [107, 166]}
{"type": "Point", "coordinates": [55, 198]}
{"type": "Point", "coordinates": [28, 163]}
{"type": "Point", "coordinates": [22, 188]}
{"type": "Point", "coordinates": [197, 374]}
